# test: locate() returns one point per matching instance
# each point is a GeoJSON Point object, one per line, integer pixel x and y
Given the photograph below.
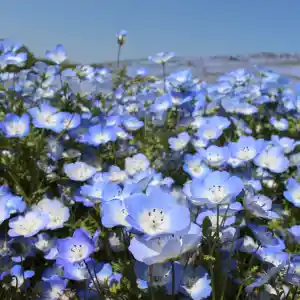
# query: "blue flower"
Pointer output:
{"type": "Point", "coordinates": [132, 123]}
{"type": "Point", "coordinates": [246, 148]}
{"type": "Point", "coordinates": [157, 213]}
{"type": "Point", "coordinates": [195, 167]}
{"type": "Point", "coordinates": [165, 247]}
{"type": "Point", "coordinates": [114, 213]}
{"type": "Point", "coordinates": [76, 248]}
{"type": "Point", "coordinates": [162, 57]}
{"type": "Point", "coordinates": [292, 194]}
{"type": "Point", "coordinates": [46, 116]}
{"type": "Point", "coordinates": [295, 232]}
{"type": "Point", "coordinates": [47, 245]}
{"type": "Point", "coordinates": [215, 156]}
{"type": "Point", "coordinates": [53, 289]}
{"type": "Point", "coordinates": [180, 142]}
{"type": "Point", "coordinates": [292, 275]}
{"type": "Point", "coordinates": [196, 283]}
{"type": "Point", "coordinates": [20, 276]}
{"type": "Point", "coordinates": [57, 212]}
{"type": "Point", "coordinates": [286, 143]}
{"type": "Point", "coordinates": [28, 225]}
{"type": "Point", "coordinates": [70, 120]}
{"type": "Point", "coordinates": [98, 135]}
{"type": "Point", "coordinates": [272, 158]}
{"type": "Point", "coordinates": [216, 188]}
{"type": "Point", "coordinates": [281, 124]}
{"type": "Point", "coordinates": [136, 164]}
{"type": "Point", "coordinates": [121, 37]}
{"type": "Point", "coordinates": [260, 205]}
{"type": "Point", "coordinates": [162, 104]}
{"type": "Point", "coordinates": [79, 171]}
{"type": "Point", "coordinates": [267, 238]}
{"type": "Point", "coordinates": [15, 126]}
{"type": "Point", "coordinates": [57, 55]}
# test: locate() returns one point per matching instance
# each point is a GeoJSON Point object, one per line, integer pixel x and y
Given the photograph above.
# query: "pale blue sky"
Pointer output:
{"type": "Point", "coordinates": [87, 28]}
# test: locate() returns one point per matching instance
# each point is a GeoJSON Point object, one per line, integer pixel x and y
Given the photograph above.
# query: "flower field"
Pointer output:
{"type": "Point", "coordinates": [120, 185]}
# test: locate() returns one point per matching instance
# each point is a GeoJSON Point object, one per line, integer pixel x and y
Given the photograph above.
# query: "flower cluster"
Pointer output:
{"type": "Point", "coordinates": [119, 185]}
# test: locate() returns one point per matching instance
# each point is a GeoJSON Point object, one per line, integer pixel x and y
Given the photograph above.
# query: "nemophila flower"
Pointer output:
{"type": "Point", "coordinates": [162, 104]}
{"type": "Point", "coordinates": [57, 55]}
{"type": "Point", "coordinates": [249, 245]}
{"type": "Point", "coordinates": [75, 271]}
{"type": "Point", "coordinates": [292, 276]}
{"type": "Point", "coordinates": [20, 276]}
{"type": "Point", "coordinates": [157, 213]}
{"type": "Point", "coordinates": [196, 283]}
{"type": "Point", "coordinates": [76, 248]}
{"type": "Point", "coordinates": [260, 205]}
{"type": "Point", "coordinates": [92, 192]}
{"type": "Point", "coordinates": [223, 220]}
{"type": "Point", "coordinates": [295, 232]}
{"type": "Point", "coordinates": [70, 120]}
{"type": "Point", "coordinates": [281, 124]}
{"type": "Point", "coordinates": [114, 213]}
{"type": "Point", "coordinates": [47, 245]}
{"type": "Point", "coordinates": [194, 166]}
{"type": "Point", "coordinates": [160, 276]}
{"type": "Point", "coordinates": [238, 106]}
{"type": "Point", "coordinates": [4, 211]}
{"type": "Point", "coordinates": [273, 159]}
{"type": "Point", "coordinates": [209, 132]}
{"type": "Point", "coordinates": [54, 148]}
{"type": "Point", "coordinates": [132, 123]}
{"type": "Point", "coordinates": [286, 143]}
{"type": "Point", "coordinates": [246, 148]}
{"type": "Point", "coordinates": [116, 175]}
{"type": "Point", "coordinates": [54, 272]}
{"type": "Point", "coordinates": [180, 142]}
{"type": "Point", "coordinates": [117, 241]}
{"type": "Point", "coordinates": [121, 37]}
{"type": "Point", "coordinates": [264, 278]}
{"type": "Point", "coordinates": [270, 256]}
{"type": "Point", "coordinates": [216, 188]}
{"type": "Point", "coordinates": [15, 126]}
{"type": "Point", "coordinates": [102, 274]}
{"type": "Point", "coordinates": [165, 247]}
{"type": "Point", "coordinates": [292, 194]}
{"type": "Point", "coordinates": [162, 57]}
{"type": "Point", "coordinates": [55, 209]}
{"type": "Point", "coordinates": [99, 134]}
{"type": "Point", "coordinates": [136, 164]}
{"type": "Point", "coordinates": [29, 224]}
{"type": "Point", "coordinates": [79, 171]}
{"type": "Point", "coordinates": [199, 143]}
{"type": "Point", "coordinates": [46, 116]}
{"type": "Point", "coordinates": [267, 238]}
{"type": "Point", "coordinates": [52, 289]}
{"type": "Point", "coordinates": [215, 156]}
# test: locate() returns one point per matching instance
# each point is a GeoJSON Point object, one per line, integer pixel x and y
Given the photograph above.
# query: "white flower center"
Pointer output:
{"type": "Point", "coordinates": [78, 252]}
{"type": "Point", "coordinates": [154, 220]}
{"type": "Point", "coordinates": [16, 128]}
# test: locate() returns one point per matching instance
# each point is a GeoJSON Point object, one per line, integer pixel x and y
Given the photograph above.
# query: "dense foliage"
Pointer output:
{"type": "Point", "coordinates": [118, 185]}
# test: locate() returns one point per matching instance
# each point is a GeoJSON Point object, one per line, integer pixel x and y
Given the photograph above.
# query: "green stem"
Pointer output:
{"type": "Point", "coordinates": [173, 280]}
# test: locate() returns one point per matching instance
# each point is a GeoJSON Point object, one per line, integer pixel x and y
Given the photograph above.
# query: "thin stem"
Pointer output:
{"type": "Point", "coordinates": [119, 55]}
{"type": "Point", "coordinates": [173, 279]}
{"type": "Point", "coordinates": [295, 293]}
{"type": "Point", "coordinates": [151, 290]}
{"type": "Point", "coordinates": [92, 278]}
{"type": "Point", "coordinates": [164, 75]}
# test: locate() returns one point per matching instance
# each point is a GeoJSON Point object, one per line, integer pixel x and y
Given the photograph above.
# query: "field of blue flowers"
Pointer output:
{"type": "Point", "coordinates": [119, 185]}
